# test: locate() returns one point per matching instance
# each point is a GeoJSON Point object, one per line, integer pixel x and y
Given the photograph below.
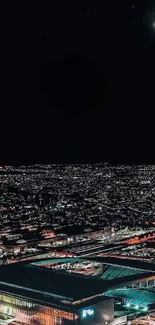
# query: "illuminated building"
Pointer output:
{"type": "Point", "coordinates": [37, 292]}
{"type": "Point", "coordinates": [31, 294]}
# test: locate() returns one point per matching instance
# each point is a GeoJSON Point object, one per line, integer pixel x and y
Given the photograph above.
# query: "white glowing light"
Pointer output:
{"type": "Point", "coordinates": [145, 308]}
{"type": "Point", "coordinates": [87, 312]}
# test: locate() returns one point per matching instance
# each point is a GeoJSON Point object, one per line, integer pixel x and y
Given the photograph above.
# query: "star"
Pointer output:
{"type": "Point", "coordinates": [88, 13]}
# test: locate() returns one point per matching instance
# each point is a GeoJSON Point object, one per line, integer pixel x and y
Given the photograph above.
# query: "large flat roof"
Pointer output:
{"type": "Point", "coordinates": [136, 264]}
{"type": "Point", "coordinates": [30, 280]}
{"type": "Point", "coordinates": [59, 285]}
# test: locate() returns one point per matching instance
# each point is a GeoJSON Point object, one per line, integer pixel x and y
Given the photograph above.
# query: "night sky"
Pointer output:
{"type": "Point", "coordinates": [77, 81]}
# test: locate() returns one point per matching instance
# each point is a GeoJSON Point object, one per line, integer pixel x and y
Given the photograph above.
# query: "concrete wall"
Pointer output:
{"type": "Point", "coordinates": [119, 320]}
{"type": "Point", "coordinates": [103, 313]}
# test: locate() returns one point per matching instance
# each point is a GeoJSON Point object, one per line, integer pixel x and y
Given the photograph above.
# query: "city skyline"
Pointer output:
{"type": "Point", "coordinates": [77, 165]}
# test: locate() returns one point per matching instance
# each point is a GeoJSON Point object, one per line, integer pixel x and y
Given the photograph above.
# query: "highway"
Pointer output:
{"type": "Point", "coordinates": [134, 241]}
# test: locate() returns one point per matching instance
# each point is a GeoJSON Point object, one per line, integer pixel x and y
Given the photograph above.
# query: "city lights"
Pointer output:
{"type": "Point", "coordinates": [34, 232]}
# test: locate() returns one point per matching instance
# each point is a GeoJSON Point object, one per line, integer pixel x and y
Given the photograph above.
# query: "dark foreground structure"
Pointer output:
{"type": "Point", "coordinates": [37, 293]}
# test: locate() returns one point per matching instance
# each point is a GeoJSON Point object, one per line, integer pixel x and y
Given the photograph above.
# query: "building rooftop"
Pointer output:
{"type": "Point", "coordinates": [49, 282]}
{"type": "Point", "coordinates": [135, 264]}
{"type": "Point", "coordinates": [141, 298]}
{"type": "Point", "coordinates": [29, 280]}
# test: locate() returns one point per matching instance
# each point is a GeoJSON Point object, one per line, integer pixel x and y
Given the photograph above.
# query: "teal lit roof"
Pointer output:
{"type": "Point", "coordinates": [113, 272]}
{"type": "Point", "coordinates": [140, 297]}
{"type": "Point", "coordinates": [57, 261]}
{"type": "Point", "coordinates": [30, 279]}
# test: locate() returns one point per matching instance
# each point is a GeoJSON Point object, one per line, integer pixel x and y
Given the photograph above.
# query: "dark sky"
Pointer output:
{"type": "Point", "coordinates": [77, 81]}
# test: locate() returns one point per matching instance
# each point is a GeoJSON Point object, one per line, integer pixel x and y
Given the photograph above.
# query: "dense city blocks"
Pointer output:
{"type": "Point", "coordinates": [77, 244]}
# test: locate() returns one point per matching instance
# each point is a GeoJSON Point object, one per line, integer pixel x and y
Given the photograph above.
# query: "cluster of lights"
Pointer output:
{"type": "Point", "coordinates": [128, 305]}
